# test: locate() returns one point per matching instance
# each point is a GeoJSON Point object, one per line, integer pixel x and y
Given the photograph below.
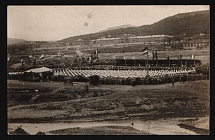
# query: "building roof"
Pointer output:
{"type": "Point", "coordinates": [16, 66]}
{"type": "Point", "coordinates": [39, 70]}
{"type": "Point", "coordinates": [196, 41]}
{"type": "Point", "coordinates": [107, 38]}
{"type": "Point", "coordinates": [148, 36]}
{"type": "Point", "coordinates": [131, 36]}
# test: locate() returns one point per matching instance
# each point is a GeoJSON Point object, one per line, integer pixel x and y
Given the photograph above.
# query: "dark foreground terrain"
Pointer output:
{"type": "Point", "coordinates": [55, 102]}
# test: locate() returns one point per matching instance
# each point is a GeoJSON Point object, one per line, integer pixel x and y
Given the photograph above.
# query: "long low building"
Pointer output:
{"type": "Point", "coordinates": [159, 62]}
{"type": "Point", "coordinates": [125, 38]}
{"type": "Point", "coordinates": [196, 45]}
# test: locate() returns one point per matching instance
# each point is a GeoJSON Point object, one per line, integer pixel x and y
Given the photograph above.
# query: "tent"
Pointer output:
{"type": "Point", "coordinates": [17, 66]}
{"type": "Point", "coordinates": [39, 70]}
{"type": "Point", "coordinates": [94, 80]}
{"type": "Point", "coordinates": [38, 74]}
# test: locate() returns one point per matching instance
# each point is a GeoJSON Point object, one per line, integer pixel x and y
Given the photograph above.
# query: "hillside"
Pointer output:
{"type": "Point", "coordinates": [14, 41]}
{"type": "Point", "coordinates": [186, 23]}
{"type": "Point", "coordinates": [116, 27]}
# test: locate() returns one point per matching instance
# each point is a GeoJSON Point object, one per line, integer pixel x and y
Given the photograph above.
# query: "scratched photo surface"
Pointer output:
{"type": "Point", "coordinates": [108, 70]}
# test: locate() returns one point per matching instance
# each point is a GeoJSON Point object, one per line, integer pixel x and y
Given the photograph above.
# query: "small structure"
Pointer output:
{"type": "Point", "coordinates": [94, 80]}
{"type": "Point", "coordinates": [196, 45]}
{"type": "Point", "coordinates": [38, 74]}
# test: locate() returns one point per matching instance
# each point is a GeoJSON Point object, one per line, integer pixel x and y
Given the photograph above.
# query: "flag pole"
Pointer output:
{"type": "Point", "coordinates": [147, 63]}
{"type": "Point", "coordinates": [194, 60]}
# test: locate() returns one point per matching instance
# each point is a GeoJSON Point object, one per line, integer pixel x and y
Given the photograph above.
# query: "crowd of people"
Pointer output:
{"type": "Point", "coordinates": [134, 77]}
{"type": "Point", "coordinates": [122, 77]}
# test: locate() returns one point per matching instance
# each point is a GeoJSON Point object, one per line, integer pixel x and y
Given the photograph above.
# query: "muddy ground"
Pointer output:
{"type": "Point", "coordinates": [55, 102]}
{"type": "Point", "coordinates": [99, 130]}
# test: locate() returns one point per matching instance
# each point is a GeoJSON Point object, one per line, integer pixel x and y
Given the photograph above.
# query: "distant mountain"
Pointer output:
{"type": "Point", "coordinates": [191, 24]}
{"type": "Point", "coordinates": [14, 41]}
{"type": "Point", "coordinates": [183, 23]}
{"type": "Point", "coordinates": [117, 27]}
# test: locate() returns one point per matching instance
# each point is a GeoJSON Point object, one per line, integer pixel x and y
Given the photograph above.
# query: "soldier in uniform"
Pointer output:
{"type": "Point", "coordinates": [173, 81]}
{"type": "Point", "coordinates": [71, 81]}
{"type": "Point", "coordinates": [65, 80]}
{"type": "Point", "coordinates": [180, 79]}
{"type": "Point", "coordinates": [123, 81]}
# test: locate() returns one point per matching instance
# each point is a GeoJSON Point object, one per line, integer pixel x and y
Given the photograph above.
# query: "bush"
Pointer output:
{"type": "Point", "coordinates": [40, 133]}
{"type": "Point", "coordinates": [19, 131]}
{"type": "Point", "coordinates": [95, 94]}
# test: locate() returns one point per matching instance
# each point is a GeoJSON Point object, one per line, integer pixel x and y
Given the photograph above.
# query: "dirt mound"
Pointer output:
{"type": "Point", "coordinates": [19, 131]}
{"type": "Point", "coordinates": [194, 129]}
{"type": "Point", "coordinates": [40, 133]}
{"type": "Point", "coordinates": [99, 130]}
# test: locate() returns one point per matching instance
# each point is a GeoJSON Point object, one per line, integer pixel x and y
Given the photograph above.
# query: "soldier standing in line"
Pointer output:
{"type": "Point", "coordinates": [71, 81]}
{"type": "Point", "coordinates": [87, 88]}
{"type": "Point", "coordinates": [65, 80]}
{"type": "Point", "coordinates": [157, 81]}
{"type": "Point", "coordinates": [188, 78]}
{"type": "Point", "coordinates": [180, 79]}
{"type": "Point", "coordinates": [173, 82]}
{"type": "Point", "coordinates": [123, 81]}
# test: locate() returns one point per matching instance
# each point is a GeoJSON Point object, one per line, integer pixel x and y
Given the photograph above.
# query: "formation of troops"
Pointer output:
{"type": "Point", "coordinates": [132, 77]}
{"type": "Point", "coordinates": [122, 77]}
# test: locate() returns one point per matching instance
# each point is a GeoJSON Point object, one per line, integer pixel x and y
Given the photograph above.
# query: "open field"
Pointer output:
{"type": "Point", "coordinates": [113, 101]}
{"type": "Point", "coordinates": [52, 103]}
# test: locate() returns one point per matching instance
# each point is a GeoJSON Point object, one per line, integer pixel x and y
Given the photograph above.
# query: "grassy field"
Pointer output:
{"type": "Point", "coordinates": [54, 102]}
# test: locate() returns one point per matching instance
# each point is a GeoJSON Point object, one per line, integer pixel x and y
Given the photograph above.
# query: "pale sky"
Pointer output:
{"type": "Point", "coordinates": [47, 23]}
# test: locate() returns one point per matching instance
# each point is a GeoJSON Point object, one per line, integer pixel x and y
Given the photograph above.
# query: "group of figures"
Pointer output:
{"type": "Point", "coordinates": [153, 80]}
{"type": "Point", "coordinates": [144, 81]}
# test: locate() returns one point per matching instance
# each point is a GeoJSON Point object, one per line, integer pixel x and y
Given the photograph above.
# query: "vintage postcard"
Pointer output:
{"type": "Point", "coordinates": [108, 70]}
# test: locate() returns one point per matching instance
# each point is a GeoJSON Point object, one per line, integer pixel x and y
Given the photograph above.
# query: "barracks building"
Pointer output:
{"type": "Point", "coordinates": [125, 38]}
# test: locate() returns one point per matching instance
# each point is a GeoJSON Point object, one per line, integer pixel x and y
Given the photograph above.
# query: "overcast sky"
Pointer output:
{"type": "Point", "coordinates": [58, 22]}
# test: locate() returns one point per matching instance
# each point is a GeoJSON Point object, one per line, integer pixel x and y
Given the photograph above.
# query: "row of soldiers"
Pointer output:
{"type": "Point", "coordinates": [142, 81]}
{"type": "Point", "coordinates": [152, 80]}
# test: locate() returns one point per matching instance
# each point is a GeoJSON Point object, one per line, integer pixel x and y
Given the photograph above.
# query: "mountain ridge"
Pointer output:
{"type": "Point", "coordinates": [117, 27]}
{"type": "Point", "coordinates": [11, 41]}
{"type": "Point", "coordinates": [190, 23]}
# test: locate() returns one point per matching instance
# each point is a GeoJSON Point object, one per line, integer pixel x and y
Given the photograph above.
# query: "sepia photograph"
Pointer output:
{"type": "Point", "coordinates": [108, 69]}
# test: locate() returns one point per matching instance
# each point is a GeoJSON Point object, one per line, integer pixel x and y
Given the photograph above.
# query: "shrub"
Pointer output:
{"type": "Point", "coordinates": [40, 133]}
{"type": "Point", "coordinates": [95, 94]}
{"type": "Point", "coordinates": [19, 131]}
